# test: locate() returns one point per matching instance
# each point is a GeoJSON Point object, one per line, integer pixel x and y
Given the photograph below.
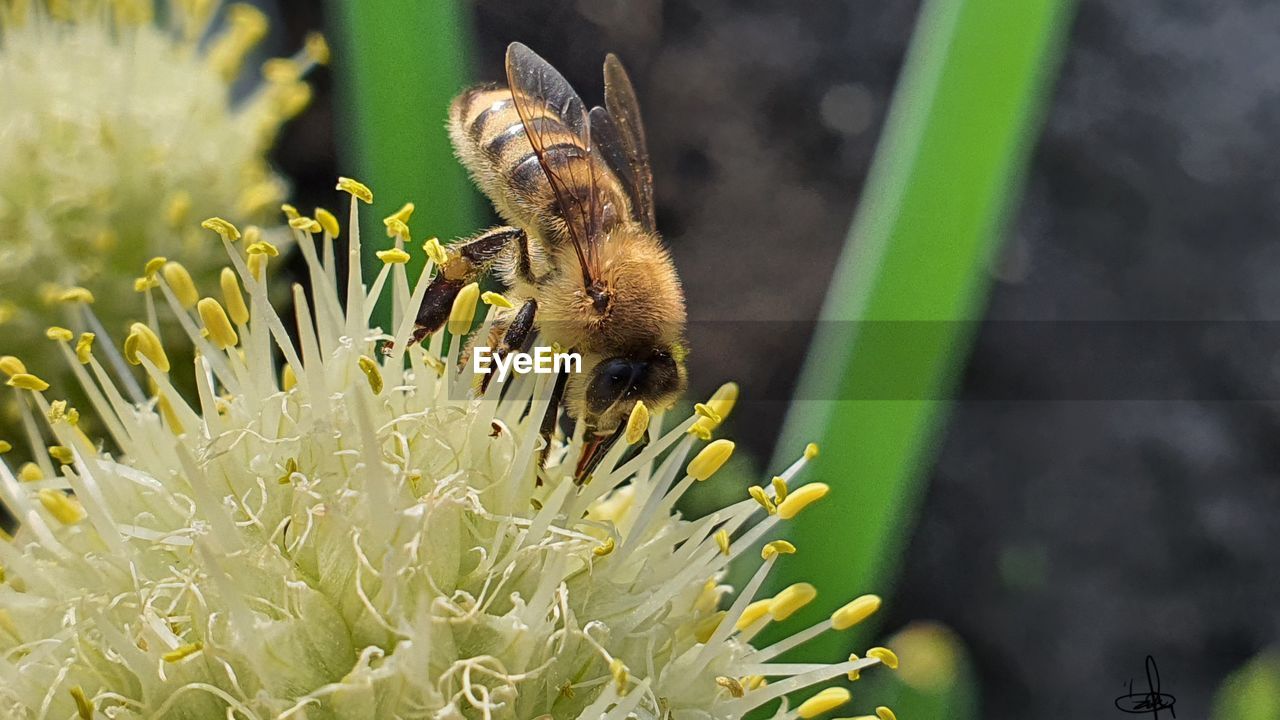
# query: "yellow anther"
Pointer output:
{"type": "Point", "coordinates": [62, 454]}
{"type": "Point", "coordinates": [255, 198]}
{"type": "Point", "coordinates": [217, 323]}
{"type": "Point", "coordinates": [222, 227]}
{"type": "Point", "coordinates": [435, 364]}
{"type": "Point", "coordinates": [258, 265]}
{"type": "Point", "coordinates": [73, 416]}
{"type": "Point", "coordinates": [182, 651]}
{"type": "Point", "coordinates": [397, 228]}
{"type": "Point", "coordinates": [30, 472]}
{"type": "Point", "coordinates": [758, 494]}
{"type": "Point", "coordinates": [262, 247]}
{"type": "Point", "coordinates": [64, 508]}
{"type": "Point", "coordinates": [801, 498]}
{"type": "Point", "coordinates": [855, 611]}
{"type": "Point", "coordinates": [178, 209]}
{"type": "Point", "coordinates": [60, 334]}
{"type": "Point", "coordinates": [753, 612]}
{"type": "Point", "coordinates": [144, 284]}
{"type": "Point", "coordinates": [435, 251]}
{"type": "Point", "coordinates": [710, 459]}
{"type": "Point", "coordinates": [7, 311]}
{"type": "Point", "coordinates": [252, 234]}
{"type": "Point", "coordinates": [153, 266]}
{"type": "Point", "coordinates": [854, 674]}
{"type": "Point", "coordinates": [400, 216]}
{"type": "Point", "coordinates": [706, 412]}
{"type": "Point", "coordinates": [722, 540]}
{"type": "Point", "coordinates": [290, 212]}
{"type": "Point", "coordinates": [281, 70]}
{"type": "Point", "coordinates": [791, 599]}
{"type": "Point", "coordinates": [356, 188]}
{"type": "Point", "coordinates": [604, 548]}
{"type": "Point", "coordinates": [317, 49]}
{"type": "Point", "coordinates": [780, 489]}
{"type": "Point", "coordinates": [706, 627]}
{"type": "Point", "coordinates": [290, 467]}
{"type": "Point", "coordinates": [5, 447]}
{"type": "Point", "coordinates": [885, 713]}
{"type": "Point", "coordinates": [621, 676]}
{"type": "Point", "coordinates": [370, 368]}
{"type": "Point", "coordinates": [719, 407]}
{"type": "Point", "coordinates": [885, 656]}
{"type": "Point", "coordinates": [394, 256]}
{"type": "Point", "coordinates": [753, 682]}
{"type": "Point", "coordinates": [732, 685]}
{"type": "Point", "coordinates": [84, 706]}
{"type": "Point", "coordinates": [143, 340]}
{"type": "Point", "coordinates": [57, 411]}
{"type": "Point", "coordinates": [464, 309]}
{"type": "Point", "coordinates": [637, 423]}
{"type": "Point", "coordinates": [810, 451]}
{"type": "Point", "coordinates": [26, 381]}
{"type": "Point", "coordinates": [306, 224]}
{"type": "Point", "coordinates": [327, 221]}
{"type": "Point", "coordinates": [245, 27]}
{"type": "Point", "coordinates": [231, 296]}
{"type": "Point", "coordinates": [288, 380]}
{"type": "Point", "coordinates": [10, 365]}
{"type": "Point", "coordinates": [776, 548]}
{"type": "Point", "coordinates": [76, 295]}
{"type": "Point", "coordinates": [184, 288]}
{"type": "Point", "coordinates": [826, 700]}
{"type": "Point", "coordinates": [497, 300]}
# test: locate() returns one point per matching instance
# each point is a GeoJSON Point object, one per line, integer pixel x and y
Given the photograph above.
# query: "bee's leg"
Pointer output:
{"type": "Point", "coordinates": [518, 335]}
{"type": "Point", "coordinates": [549, 418]}
{"type": "Point", "coordinates": [465, 263]}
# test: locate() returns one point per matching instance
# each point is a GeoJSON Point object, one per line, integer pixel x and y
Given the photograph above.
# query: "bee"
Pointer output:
{"type": "Point", "coordinates": [582, 257]}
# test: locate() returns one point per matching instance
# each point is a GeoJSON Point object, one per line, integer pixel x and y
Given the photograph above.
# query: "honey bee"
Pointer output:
{"type": "Point", "coordinates": [582, 257]}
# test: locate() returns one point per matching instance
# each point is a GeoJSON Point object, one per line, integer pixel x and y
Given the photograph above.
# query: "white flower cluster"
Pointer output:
{"type": "Point", "coordinates": [356, 535]}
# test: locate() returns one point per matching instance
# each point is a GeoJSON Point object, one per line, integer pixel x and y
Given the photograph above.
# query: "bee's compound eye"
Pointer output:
{"type": "Point", "coordinates": [610, 381]}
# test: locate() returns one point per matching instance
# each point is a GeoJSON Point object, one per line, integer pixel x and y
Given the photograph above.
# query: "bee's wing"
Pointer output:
{"type": "Point", "coordinates": [544, 99]}
{"type": "Point", "coordinates": [624, 110]}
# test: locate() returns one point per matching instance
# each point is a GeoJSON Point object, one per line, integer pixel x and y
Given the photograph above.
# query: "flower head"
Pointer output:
{"type": "Point", "coordinates": [351, 532]}
{"type": "Point", "coordinates": [119, 126]}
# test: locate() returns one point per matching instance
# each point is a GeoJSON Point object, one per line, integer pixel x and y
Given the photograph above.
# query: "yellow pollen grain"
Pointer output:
{"type": "Point", "coordinates": [780, 489]}
{"type": "Point", "coordinates": [60, 334]}
{"type": "Point", "coordinates": [143, 340]}
{"type": "Point", "coordinates": [62, 454]}
{"type": "Point", "coordinates": [76, 295]}
{"type": "Point", "coordinates": [317, 48]}
{"type": "Point", "coordinates": [27, 381]}
{"type": "Point", "coordinates": [435, 251]}
{"type": "Point", "coordinates": [732, 685]}
{"type": "Point", "coordinates": [288, 380]}
{"type": "Point", "coordinates": [758, 494]}
{"type": "Point", "coordinates": [57, 411]}
{"type": "Point", "coordinates": [722, 541]}
{"type": "Point", "coordinates": [64, 508]}
{"type": "Point", "coordinates": [224, 228]}
{"type": "Point", "coordinates": [801, 498]}
{"type": "Point", "coordinates": [711, 459]}
{"type": "Point", "coordinates": [720, 405]}
{"type": "Point", "coordinates": [885, 713]}
{"type": "Point", "coordinates": [328, 222]}
{"type": "Point", "coordinates": [464, 310]}
{"type": "Point", "coordinates": [776, 548]}
{"type": "Point", "coordinates": [184, 288]}
{"type": "Point", "coordinates": [370, 368]}
{"type": "Point", "coordinates": [497, 300]}
{"type": "Point", "coordinates": [30, 472]}
{"type": "Point", "coordinates": [236, 308]}
{"type": "Point", "coordinates": [10, 365]}
{"type": "Point", "coordinates": [84, 706]}
{"type": "Point", "coordinates": [810, 451]}
{"type": "Point", "coordinates": [306, 224]}
{"type": "Point", "coordinates": [262, 247]}
{"type": "Point", "coordinates": [357, 189]}
{"type": "Point", "coordinates": [621, 675]}
{"type": "Point", "coordinates": [394, 256]}
{"type": "Point", "coordinates": [258, 265]}
{"type": "Point", "coordinates": [825, 700]}
{"type": "Point", "coordinates": [637, 423]}
{"type": "Point", "coordinates": [791, 599]}
{"type": "Point", "coordinates": [217, 323]}
{"type": "Point", "coordinates": [885, 656]}
{"type": "Point", "coordinates": [604, 548]}
{"type": "Point", "coordinates": [855, 611]}
{"type": "Point", "coordinates": [706, 627]}
{"type": "Point", "coordinates": [182, 651]}
{"type": "Point", "coordinates": [753, 612]}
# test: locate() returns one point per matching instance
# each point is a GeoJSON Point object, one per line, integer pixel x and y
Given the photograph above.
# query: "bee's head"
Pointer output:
{"type": "Point", "coordinates": [609, 388]}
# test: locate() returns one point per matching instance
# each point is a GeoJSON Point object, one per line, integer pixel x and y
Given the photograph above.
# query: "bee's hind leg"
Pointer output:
{"type": "Point", "coordinates": [464, 263]}
{"type": "Point", "coordinates": [517, 336]}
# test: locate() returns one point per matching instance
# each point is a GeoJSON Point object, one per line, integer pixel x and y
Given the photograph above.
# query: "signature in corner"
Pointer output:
{"type": "Point", "coordinates": [1152, 701]}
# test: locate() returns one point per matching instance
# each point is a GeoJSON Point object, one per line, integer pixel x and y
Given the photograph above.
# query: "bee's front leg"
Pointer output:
{"type": "Point", "coordinates": [516, 337]}
{"type": "Point", "coordinates": [465, 263]}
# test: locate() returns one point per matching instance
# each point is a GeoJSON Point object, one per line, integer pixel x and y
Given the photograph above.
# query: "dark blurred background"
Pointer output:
{"type": "Point", "coordinates": [1063, 539]}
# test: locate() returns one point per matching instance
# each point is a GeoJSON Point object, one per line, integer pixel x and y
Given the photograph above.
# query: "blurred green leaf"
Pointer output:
{"type": "Point", "coordinates": [1252, 692]}
{"type": "Point", "coordinates": [399, 64]}
{"type": "Point", "coordinates": [914, 271]}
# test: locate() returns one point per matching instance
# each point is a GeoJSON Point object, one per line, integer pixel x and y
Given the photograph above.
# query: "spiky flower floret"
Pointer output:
{"type": "Point", "coordinates": [118, 127]}
{"type": "Point", "coordinates": [357, 535]}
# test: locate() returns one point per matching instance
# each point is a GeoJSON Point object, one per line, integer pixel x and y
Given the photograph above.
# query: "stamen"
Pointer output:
{"type": "Point", "coordinates": [753, 612]}
{"type": "Point", "coordinates": [722, 541]}
{"type": "Point", "coordinates": [826, 700]}
{"type": "Point", "coordinates": [26, 381]}
{"type": "Point", "coordinates": [231, 296]}
{"type": "Point", "coordinates": [885, 713]}
{"type": "Point", "coordinates": [776, 548]}
{"type": "Point", "coordinates": [801, 498]}
{"type": "Point", "coordinates": [855, 611]}
{"type": "Point", "coordinates": [76, 295]}
{"type": "Point", "coordinates": [328, 221]}
{"type": "Point", "coordinates": [497, 300]}
{"type": "Point", "coordinates": [637, 423]}
{"type": "Point", "coordinates": [84, 347]}
{"type": "Point", "coordinates": [60, 334]}
{"type": "Point", "coordinates": [262, 247]}
{"type": "Point", "coordinates": [394, 256]}
{"type": "Point", "coordinates": [464, 310]}
{"type": "Point", "coordinates": [11, 366]}
{"type": "Point", "coordinates": [732, 685]}
{"type": "Point", "coordinates": [317, 49]}
{"type": "Point", "coordinates": [435, 251]}
{"type": "Point", "coordinates": [84, 706]}
{"type": "Point", "coordinates": [64, 508]}
{"type": "Point", "coordinates": [306, 224]}
{"type": "Point", "coordinates": [184, 288]}
{"type": "Point", "coordinates": [370, 368]}
{"type": "Point", "coordinates": [884, 655]}
{"type": "Point", "coordinates": [215, 320]}
{"type": "Point", "coordinates": [222, 227]}
{"type": "Point", "coordinates": [780, 488]}
{"type": "Point", "coordinates": [810, 451]}
{"type": "Point", "coordinates": [720, 405]}
{"type": "Point", "coordinates": [604, 548]}
{"type": "Point", "coordinates": [356, 189]}
{"type": "Point", "coordinates": [142, 339]}
{"type": "Point", "coordinates": [712, 457]}
{"type": "Point", "coordinates": [62, 454]}
{"type": "Point", "coordinates": [791, 599]}
{"type": "Point", "coordinates": [182, 651]}
{"type": "Point", "coordinates": [758, 494]}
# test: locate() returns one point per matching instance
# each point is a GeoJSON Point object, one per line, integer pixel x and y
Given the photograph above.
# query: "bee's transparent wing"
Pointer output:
{"type": "Point", "coordinates": [624, 112]}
